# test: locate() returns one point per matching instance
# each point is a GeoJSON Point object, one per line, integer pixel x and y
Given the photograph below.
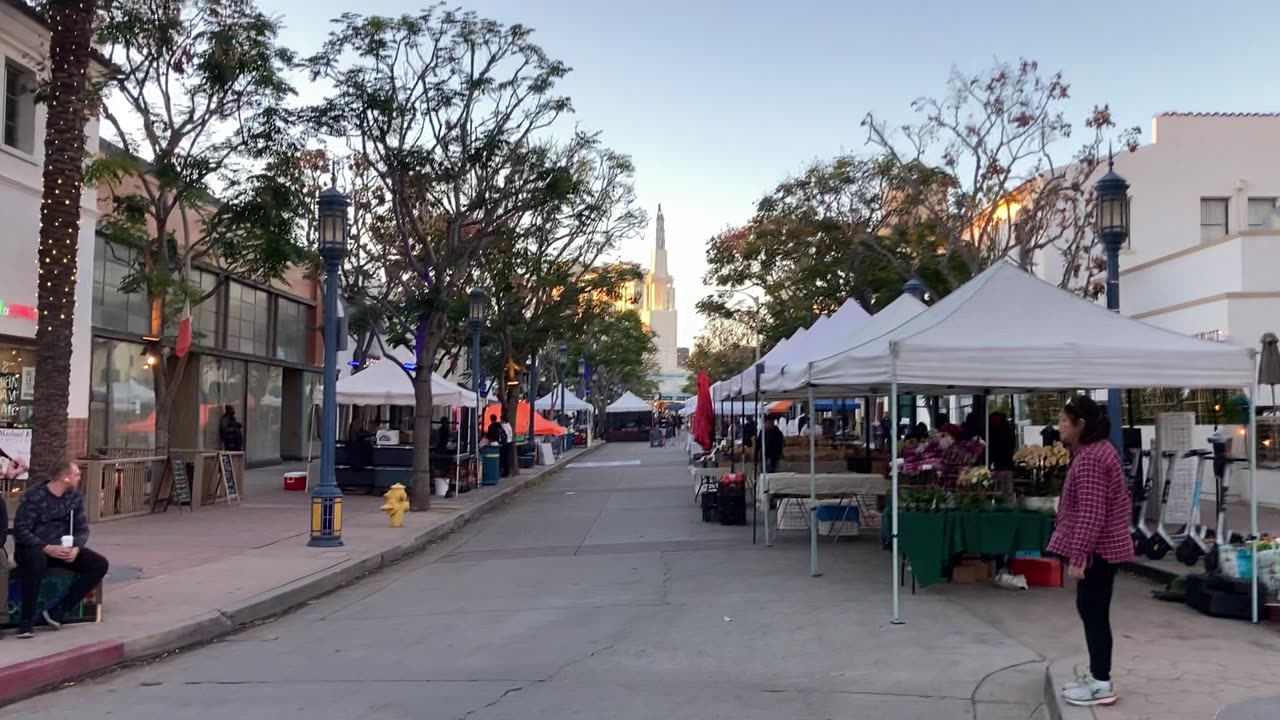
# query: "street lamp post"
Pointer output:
{"type": "Point", "coordinates": [533, 397]}
{"type": "Point", "coordinates": [562, 354]}
{"type": "Point", "coordinates": [583, 393]}
{"type": "Point", "coordinates": [478, 308]}
{"type": "Point", "coordinates": [326, 498]}
{"type": "Point", "coordinates": [1112, 193]}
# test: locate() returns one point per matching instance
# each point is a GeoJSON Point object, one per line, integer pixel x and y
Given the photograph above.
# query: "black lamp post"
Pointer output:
{"type": "Point", "coordinates": [477, 310]}
{"type": "Point", "coordinates": [1112, 193]}
{"type": "Point", "coordinates": [326, 498]}
{"type": "Point", "coordinates": [533, 397]}
{"type": "Point", "coordinates": [562, 355]}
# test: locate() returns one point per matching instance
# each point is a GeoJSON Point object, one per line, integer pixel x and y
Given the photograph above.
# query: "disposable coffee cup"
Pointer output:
{"type": "Point", "coordinates": [68, 540]}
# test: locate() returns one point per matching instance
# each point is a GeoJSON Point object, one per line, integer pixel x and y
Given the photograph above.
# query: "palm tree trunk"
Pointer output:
{"type": "Point", "coordinates": [70, 46]}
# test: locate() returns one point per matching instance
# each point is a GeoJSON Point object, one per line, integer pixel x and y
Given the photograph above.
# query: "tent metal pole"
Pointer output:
{"type": "Point", "coordinates": [813, 492]}
{"type": "Point", "coordinates": [986, 420]}
{"type": "Point", "coordinates": [1253, 496]}
{"type": "Point", "coordinates": [893, 493]}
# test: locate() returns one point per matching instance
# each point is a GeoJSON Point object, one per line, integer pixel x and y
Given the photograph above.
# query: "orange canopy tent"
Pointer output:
{"type": "Point", "coordinates": [779, 407]}
{"type": "Point", "coordinates": [541, 425]}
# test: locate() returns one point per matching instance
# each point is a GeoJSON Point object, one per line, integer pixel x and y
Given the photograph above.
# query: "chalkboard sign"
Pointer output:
{"type": "Point", "coordinates": [229, 478]}
{"type": "Point", "coordinates": [181, 484]}
{"type": "Point", "coordinates": [174, 487]}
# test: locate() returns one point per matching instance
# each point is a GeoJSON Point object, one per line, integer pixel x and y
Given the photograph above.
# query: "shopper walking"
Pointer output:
{"type": "Point", "coordinates": [1092, 533]}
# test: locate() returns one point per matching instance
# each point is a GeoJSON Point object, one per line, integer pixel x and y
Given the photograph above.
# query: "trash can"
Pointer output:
{"type": "Point", "coordinates": [490, 464]}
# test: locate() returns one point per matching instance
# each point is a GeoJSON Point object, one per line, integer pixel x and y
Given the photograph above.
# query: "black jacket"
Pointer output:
{"type": "Point", "coordinates": [773, 443]}
{"type": "Point", "coordinates": [43, 518]}
{"type": "Point", "coordinates": [4, 521]}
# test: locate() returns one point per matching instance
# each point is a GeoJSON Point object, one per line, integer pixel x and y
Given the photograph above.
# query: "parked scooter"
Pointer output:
{"type": "Point", "coordinates": [1141, 472]}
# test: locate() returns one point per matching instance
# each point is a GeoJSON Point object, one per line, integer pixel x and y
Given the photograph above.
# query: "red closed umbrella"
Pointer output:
{"type": "Point", "coordinates": [704, 416]}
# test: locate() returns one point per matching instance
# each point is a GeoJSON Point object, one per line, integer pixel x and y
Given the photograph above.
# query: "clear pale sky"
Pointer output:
{"type": "Point", "coordinates": [718, 100]}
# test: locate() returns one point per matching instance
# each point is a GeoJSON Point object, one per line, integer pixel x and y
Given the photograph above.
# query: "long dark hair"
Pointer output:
{"type": "Point", "coordinates": [1097, 426]}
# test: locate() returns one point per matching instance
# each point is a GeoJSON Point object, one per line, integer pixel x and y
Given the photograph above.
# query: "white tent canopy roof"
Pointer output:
{"type": "Point", "coordinates": [1007, 330]}
{"type": "Point", "coordinates": [792, 377]}
{"type": "Point", "coordinates": [384, 383]}
{"type": "Point", "coordinates": [572, 403]}
{"type": "Point", "coordinates": [824, 332]}
{"type": "Point", "coordinates": [629, 402]}
{"type": "Point", "coordinates": [724, 408]}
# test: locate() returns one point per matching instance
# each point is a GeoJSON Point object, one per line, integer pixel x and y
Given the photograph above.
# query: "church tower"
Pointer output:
{"type": "Point", "coordinates": [660, 300]}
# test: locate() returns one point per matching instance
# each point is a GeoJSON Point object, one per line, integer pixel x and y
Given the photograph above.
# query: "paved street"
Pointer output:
{"type": "Point", "coordinates": [601, 594]}
{"type": "Point", "coordinates": [598, 594]}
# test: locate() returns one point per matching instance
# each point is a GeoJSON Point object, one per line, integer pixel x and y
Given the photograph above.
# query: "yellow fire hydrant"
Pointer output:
{"type": "Point", "coordinates": [396, 506]}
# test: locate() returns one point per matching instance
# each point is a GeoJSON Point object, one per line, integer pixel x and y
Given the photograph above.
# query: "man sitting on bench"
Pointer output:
{"type": "Point", "coordinates": [50, 529]}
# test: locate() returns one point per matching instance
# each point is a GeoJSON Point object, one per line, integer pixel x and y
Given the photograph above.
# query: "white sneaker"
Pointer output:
{"type": "Point", "coordinates": [1082, 679]}
{"type": "Point", "coordinates": [1090, 692]}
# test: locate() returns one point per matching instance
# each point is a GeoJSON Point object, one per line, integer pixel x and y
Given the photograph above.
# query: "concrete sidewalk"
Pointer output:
{"type": "Point", "coordinates": [179, 579]}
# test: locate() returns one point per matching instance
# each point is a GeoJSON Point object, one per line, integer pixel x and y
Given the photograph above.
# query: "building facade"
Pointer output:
{"type": "Point", "coordinates": [24, 41]}
{"type": "Point", "coordinates": [255, 348]}
{"type": "Point", "coordinates": [658, 311]}
{"type": "Point", "coordinates": [1204, 234]}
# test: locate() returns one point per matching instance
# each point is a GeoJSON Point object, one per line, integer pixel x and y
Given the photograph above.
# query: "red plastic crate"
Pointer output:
{"type": "Point", "coordinates": [1040, 572]}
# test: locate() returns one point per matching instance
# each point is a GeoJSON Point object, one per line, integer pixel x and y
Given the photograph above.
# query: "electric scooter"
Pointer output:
{"type": "Point", "coordinates": [1165, 539]}
{"type": "Point", "coordinates": [1142, 472]}
{"type": "Point", "coordinates": [1195, 536]}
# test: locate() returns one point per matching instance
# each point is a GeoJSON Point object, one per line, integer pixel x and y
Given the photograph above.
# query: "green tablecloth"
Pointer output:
{"type": "Point", "coordinates": [930, 539]}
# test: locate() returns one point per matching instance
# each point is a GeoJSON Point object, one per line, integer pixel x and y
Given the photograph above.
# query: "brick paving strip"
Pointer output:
{"type": "Point", "coordinates": [183, 579]}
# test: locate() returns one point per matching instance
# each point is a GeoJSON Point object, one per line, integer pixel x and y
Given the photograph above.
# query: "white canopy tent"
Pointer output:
{"type": "Point", "coordinates": [789, 379]}
{"type": "Point", "coordinates": [1007, 330]}
{"type": "Point", "coordinates": [629, 402]}
{"type": "Point", "coordinates": [828, 332]}
{"type": "Point", "coordinates": [572, 403]}
{"type": "Point", "coordinates": [726, 407]}
{"type": "Point", "coordinates": [384, 383]}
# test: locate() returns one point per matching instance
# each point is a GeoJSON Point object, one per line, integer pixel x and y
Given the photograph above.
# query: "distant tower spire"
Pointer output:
{"type": "Point", "coordinates": [661, 243]}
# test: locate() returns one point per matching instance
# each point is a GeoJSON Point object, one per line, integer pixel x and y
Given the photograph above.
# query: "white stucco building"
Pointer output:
{"type": "Point", "coordinates": [24, 41]}
{"type": "Point", "coordinates": [1204, 251]}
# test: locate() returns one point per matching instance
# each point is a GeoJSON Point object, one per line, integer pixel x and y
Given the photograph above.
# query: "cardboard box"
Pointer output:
{"type": "Point", "coordinates": [971, 571]}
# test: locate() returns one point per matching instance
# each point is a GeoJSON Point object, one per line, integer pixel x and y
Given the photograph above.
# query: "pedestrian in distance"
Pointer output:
{"type": "Point", "coordinates": [1092, 533]}
{"type": "Point", "coordinates": [51, 530]}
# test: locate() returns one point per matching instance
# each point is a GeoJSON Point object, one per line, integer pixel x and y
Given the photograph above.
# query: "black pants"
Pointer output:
{"type": "Point", "coordinates": [1093, 602]}
{"type": "Point", "coordinates": [504, 461]}
{"type": "Point", "coordinates": [89, 568]}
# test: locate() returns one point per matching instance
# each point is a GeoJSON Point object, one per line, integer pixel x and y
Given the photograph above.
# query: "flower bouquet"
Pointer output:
{"type": "Point", "coordinates": [1046, 468]}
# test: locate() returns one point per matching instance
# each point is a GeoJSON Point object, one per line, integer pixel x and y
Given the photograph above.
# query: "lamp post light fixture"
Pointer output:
{"type": "Point", "coordinates": [326, 498]}
{"type": "Point", "coordinates": [1112, 195]}
{"type": "Point", "coordinates": [477, 310]}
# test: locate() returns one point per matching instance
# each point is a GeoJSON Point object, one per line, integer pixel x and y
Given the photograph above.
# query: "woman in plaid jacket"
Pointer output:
{"type": "Point", "coordinates": [1092, 533]}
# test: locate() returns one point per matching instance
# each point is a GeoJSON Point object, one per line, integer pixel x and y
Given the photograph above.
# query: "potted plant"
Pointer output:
{"type": "Point", "coordinates": [1047, 468]}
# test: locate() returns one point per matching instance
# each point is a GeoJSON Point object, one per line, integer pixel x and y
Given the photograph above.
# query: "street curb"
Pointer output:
{"type": "Point", "coordinates": [1057, 674]}
{"type": "Point", "coordinates": [27, 678]}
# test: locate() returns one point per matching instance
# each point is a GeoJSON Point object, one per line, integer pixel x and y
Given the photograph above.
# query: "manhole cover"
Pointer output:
{"type": "Point", "coordinates": [1255, 709]}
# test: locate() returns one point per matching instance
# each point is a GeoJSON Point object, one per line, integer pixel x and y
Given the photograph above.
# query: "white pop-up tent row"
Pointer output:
{"type": "Point", "coordinates": [1003, 331]}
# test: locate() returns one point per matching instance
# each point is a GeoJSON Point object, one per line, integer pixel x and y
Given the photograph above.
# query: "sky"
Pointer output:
{"type": "Point", "coordinates": [719, 100]}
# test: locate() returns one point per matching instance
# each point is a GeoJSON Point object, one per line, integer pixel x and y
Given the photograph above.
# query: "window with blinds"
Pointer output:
{"type": "Point", "coordinates": [1213, 219]}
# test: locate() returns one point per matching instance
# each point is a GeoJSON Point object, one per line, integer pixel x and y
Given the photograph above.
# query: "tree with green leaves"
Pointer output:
{"type": "Point", "coordinates": [68, 98]}
{"type": "Point", "coordinates": [205, 175]}
{"type": "Point", "coordinates": [725, 348]}
{"type": "Point", "coordinates": [833, 232]}
{"type": "Point", "coordinates": [991, 170]}
{"type": "Point", "coordinates": [548, 269]}
{"type": "Point", "coordinates": [619, 351]}
{"type": "Point", "coordinates": [449, 110]}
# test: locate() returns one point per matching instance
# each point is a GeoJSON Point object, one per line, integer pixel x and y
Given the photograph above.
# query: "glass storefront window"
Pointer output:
{"type": "Point", "coordinates": [111, 307]}
{"type": "Point", "coordinates": [263, 415]}
{"type": "Point", "coordinates": [17, 390]}
{"type": "Point", "coordinates": [222, 383]}
{"type": "Point", "coordinates": [122, 401]}
{"type": "Point", "coordinates": [293, 321]}
{"type": "Point", "coordinates": [248, 319]}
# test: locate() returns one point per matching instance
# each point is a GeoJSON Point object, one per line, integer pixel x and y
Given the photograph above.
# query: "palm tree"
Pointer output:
{"type": "Point", "coordinates": [70, 52]}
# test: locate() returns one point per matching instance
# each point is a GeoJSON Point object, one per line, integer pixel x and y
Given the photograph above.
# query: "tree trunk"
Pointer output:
{"type": "Point", "coordinates": [423, 409]}
{"type": "Point", "coordinates": [69, 48]}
